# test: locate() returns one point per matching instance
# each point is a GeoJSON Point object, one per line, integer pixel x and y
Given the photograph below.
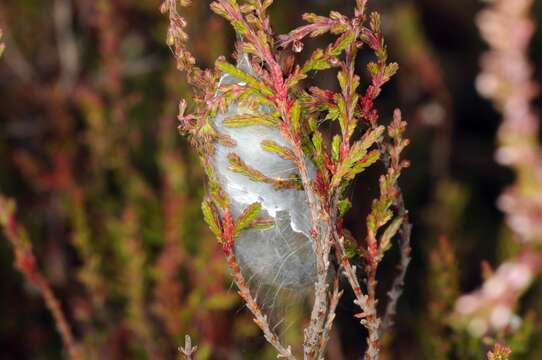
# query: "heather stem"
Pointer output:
{"type": "Point", "coordinates": [259, 318]}
{"type": "Point", "coordinates": [25, 262]}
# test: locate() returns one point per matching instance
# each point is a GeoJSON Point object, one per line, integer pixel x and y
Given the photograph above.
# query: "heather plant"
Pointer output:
{"type": "Point", "coordinates": [277, 183]}
{"type": "Point", "coordinates": [26, 263]}
{"type": "Point", "coordinates": [506, 81]}
{"type": "Point", "coordinates": [104, 250]}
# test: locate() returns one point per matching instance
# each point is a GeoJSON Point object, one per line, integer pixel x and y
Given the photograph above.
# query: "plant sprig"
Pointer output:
{"type": "Point", "coordinates": [297, 113]}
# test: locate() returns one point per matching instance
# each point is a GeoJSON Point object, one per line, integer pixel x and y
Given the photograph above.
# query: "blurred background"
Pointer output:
{"type": "Point", "coordinates": [110, 193]}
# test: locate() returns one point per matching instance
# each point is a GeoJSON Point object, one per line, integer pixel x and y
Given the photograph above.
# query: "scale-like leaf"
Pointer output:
{"type": "Point", "coordinates": [283, 152]}
{"type": "Point", "coordinates": [211, 218]}
{"type": "Point", "coordinates": [243, 76]}
{"type": "Point", "coordinates": [247, 217]}
{"type": "Point", "coordinates": [240, 121]}
{"type": "Point", "coordinates": [389, 233]}
{"type": "Point", "coordinates": [295, 116]}
{"type": "Point", "coordinates": [358, 159]}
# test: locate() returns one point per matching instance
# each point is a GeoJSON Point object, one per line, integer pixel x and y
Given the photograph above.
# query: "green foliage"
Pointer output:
{"type": "Point", "coordinates": [243, 77]}
{"type": "Point", "coordinates": [283, 152]}
{"type": "Point", "coordinates": [358, 158]}
{"type": "Point", "coordinates": [389, 234]}
{"type": "Point", "coordinates": [247, 218]}
{"type": "Point", "coordinates": [240, 121]}
{"type": "Point", "coordinates": [211, 218]}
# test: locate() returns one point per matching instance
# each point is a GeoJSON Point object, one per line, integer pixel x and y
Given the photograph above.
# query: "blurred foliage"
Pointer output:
{"type": "Point", "coordinates": [109, 193]}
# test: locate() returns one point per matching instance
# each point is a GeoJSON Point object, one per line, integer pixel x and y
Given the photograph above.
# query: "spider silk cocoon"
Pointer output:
{"type": "Point", "coordinates": [281, 256]}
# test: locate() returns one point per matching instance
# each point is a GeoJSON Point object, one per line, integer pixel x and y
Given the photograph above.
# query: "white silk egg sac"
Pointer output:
{"type": "Point", "coordinates": [281, 256]}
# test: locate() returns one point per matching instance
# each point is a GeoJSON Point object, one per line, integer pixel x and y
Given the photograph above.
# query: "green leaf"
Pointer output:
{"type": "Point", "coordinates": [283, 152]}
{"type": "Point", "coordinates": [344, 205]}
{"type": "Point", "coordinates": [351, 249]}
{"type": "Point", "coordinates": [296, 77]}
{"type": "Point", "coordinates": [389, 233]}
{"type": "Point", "coordinates": [355, 84]}
{"type": "Point", "coordinates": [317, 141]}
{"type": "Point", "coordinates": [341, 106]}
{"type": "Point", "coordinates": [239, 27]}
{"type": "Point", "coordinates": [313, 123]}
{"type": "Point", "coordinates": [211, 217]}
{"type": "Point", "coordinates": [317, 61]}
{"type": "Point", "coordinates": [380, 210]}
{"type": "Point", "coordinates": [318, 155]}
{"type": "Point", "coordinates": [335, 147]}
{"type": "Point", "coordinates": [216, 192]}
{"type": "Point", "coordinates": [332, 113]}
{"type": "Point", "coordinates": [341, 76]}
{"type": "Point", "coordinates": [240, 121]}
{"type": "Point", "coordinates": [342, 43]}
{"type": "Point", "coordinates": [349, 91]}
{"type": "Point", "coordinates": [368, 139]}
{"type": "Point", "coordinates": [358, 159]}
{"type": "Point", "coordinates": [295, 115]}
{"type": "Point", "coordinates": [243, 76]}
{"type": "Point", "coordinates": [390, 70]}
{"type": "Point", "coordinates": [339, 28]}
{"type": "Point", "coordinates": [247, 217]}
{"type": "Point", "coordinates": [236, 164]}
{"type": "Point", "coordinates": [312, 18]}
{"type": "Point", "coordinates": [373, 69]}
{"type": "Point", "coordinates": [363, 164]}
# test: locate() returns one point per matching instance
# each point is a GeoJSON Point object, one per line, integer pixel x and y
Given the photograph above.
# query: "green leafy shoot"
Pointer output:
{"type": "Point", "coordinates": [245, 120]}
{"type": "Point", "coordinates": [283, 152]}
{"type": "Point", "coordinates": [211, 218]}
{"type": "Point", "coordinates": [246, 219]}
{"type": "Point", "coordinates": [242, 76]}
